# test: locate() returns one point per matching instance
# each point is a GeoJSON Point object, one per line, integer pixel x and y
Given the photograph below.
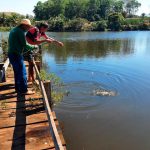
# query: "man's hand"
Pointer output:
{"type": "Point", "coordinates": [60, 44]}
{"type": "Point", "coordinates": [49, 40]}
{"type": "Point", "coordinates": [54, 41]}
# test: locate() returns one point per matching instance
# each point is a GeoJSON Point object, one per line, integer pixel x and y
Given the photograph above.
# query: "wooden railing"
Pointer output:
{"type": "Point", "coordinates": [46, 100]}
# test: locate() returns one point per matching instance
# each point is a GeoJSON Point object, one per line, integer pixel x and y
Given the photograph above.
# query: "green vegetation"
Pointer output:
{"type": "Point", "coordinates": [99, 25]}
{"type": "Point", "coordinates": [56, 85]}
{"type": "Point", "coordinates": [9, 20]}
{"type": "Point", "coordinates": [90, 15]}
{"type": "Point", "coordinates": [4, 47]}
{"type": "Point", "coordinates": [85, 15]}
{"type": "Point", "coordinates": [4, 29]}
{"type": "Point", "coordinates": [140, 23]}
{"type": "Point", "coordinates": [115, 21]}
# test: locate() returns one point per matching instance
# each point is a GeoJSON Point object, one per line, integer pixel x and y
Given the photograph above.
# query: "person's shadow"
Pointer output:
{"type": "Point", "coordinates": [19, 136]}
{"type": "Point", "coordinates": [18, 142]}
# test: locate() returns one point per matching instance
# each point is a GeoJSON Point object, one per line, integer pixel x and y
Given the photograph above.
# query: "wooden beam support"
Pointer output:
{"type": "Point", "coordinates": [52, 126]}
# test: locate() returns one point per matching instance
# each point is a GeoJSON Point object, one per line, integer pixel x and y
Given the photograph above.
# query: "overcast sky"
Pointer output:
{"type": "Point", "coordinates": [27, 6]}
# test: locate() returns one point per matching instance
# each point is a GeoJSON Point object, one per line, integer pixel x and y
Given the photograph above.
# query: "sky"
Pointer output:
{"type": "Point", "coordinates": [21, 6]}
{"type": "Point", "coordinates": [26, 6]}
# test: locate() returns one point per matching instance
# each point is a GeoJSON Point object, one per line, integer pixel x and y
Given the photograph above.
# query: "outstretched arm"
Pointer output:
{"type": "Point", "coordinates": [36, 42]}
{"type": "Point", "coordinates": [51, 40]}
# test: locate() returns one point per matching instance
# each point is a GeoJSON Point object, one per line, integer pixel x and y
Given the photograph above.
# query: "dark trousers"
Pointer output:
{"type": "Point", "coordinates": [20, 74]}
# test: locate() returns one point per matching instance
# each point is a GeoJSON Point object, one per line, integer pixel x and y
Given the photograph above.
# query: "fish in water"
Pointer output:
{"type": "Point", "coordinates": [101, 92]}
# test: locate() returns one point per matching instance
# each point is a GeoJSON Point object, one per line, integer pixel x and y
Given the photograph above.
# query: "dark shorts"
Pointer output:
{"type": "Point", "coordinates": [28, 56]}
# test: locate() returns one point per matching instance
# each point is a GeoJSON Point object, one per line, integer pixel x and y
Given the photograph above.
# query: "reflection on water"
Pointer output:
{"type": "Point", "coordinates": [97, 48]}
{"type": "Point", "coordinates": [115, 62]}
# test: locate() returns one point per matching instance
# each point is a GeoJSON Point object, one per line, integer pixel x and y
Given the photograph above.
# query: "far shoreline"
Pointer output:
{"type": "Point", "coordinates": [8, 29]}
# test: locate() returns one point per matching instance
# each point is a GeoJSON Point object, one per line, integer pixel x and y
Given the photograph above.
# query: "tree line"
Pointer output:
{"type": "Point", "coordinates": [85, 15]}
{"type": "Point", "coordinates": [90, 15]}
{"type": "Point", "coordinates": [92, 10]}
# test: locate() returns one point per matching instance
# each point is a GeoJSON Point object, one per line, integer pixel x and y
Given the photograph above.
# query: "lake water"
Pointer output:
{"type": "Point", "coordinates": [110, 61]}
{"type": "Point", "coordinates": [114, 61]}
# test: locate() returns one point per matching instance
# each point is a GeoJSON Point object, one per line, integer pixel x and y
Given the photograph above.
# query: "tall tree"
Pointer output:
{"type": "Point", "coordinates": [50, 8]}
{"type": "Point", "coordinates": [39, 11]}
{"type": "Point", "coordinates": [118, 6]}
{"type": "Point", "coordinates": [92, 10]}
{"type": "Point", "coordinates": [132, 7]}
{"type": "Point", "coordinates": [105, 8]}
{"type": "Point", "coordinates": [74, 9]}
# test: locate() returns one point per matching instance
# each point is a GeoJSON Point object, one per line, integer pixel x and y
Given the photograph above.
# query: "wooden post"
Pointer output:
{"type": "Point", "coordinates": [40, 53]}
{"type": "Point", "coordinates": [4, 68]}
{"type": "Point", "coordinates": [3, 76]}
{"type": "Point", "coordinates": [38, 64]}
{"type": "Point", "coordinates": [47, 86]}
{"type": "Point", "coordinates": [1, 72]}
{"type": "Point", "coordinates": [40, 49]}
{"type": "Point", "coordinates": [1, 65]}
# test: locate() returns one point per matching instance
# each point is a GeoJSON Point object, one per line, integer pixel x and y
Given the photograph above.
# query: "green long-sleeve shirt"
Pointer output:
{"type": "Point", "coordinates": [17, 42]}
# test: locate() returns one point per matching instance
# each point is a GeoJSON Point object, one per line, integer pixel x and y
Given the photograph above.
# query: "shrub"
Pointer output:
{"type": "Point", "coordinates": [135, 27]}
{"type": "Point", "coordinates": [115, 21]}
{"type": "Point", "coordinates": [133, 21]}
{"type": "Point", "coordinates": [57, 91]}
{"type": "Point", "coordinates": [87, 27]}
{"type": "Point", "coordinates": [75, 24]}
{"type": "Point", "coordinates": [127, 27]}
{"type": "Point", "coordinates": [56, 23]}
{"type": "Point", "coordinates": [100, 25]}
{"type": "Point", "coordinates": [5, 29]}
{"type": "Point", "coordinates": [144, 26]}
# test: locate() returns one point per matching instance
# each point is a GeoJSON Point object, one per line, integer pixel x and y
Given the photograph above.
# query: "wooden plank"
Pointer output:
{"type": "Point", "coordinates": [28, 137]}
{"type": "Point", "coordinates": [22, 124]}
{"type": "Point", "coordinates": [8, 118]}
{"type": "Point", "coordinates": [53, 129]}
{"type": "Point", "coordinates": [6, 137]}
{"type": "Point", "coordinates": [38, 137]}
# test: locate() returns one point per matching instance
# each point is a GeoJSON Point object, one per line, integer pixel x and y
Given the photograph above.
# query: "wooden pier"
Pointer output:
{"type": "Point", "coordinates": [27, 122]}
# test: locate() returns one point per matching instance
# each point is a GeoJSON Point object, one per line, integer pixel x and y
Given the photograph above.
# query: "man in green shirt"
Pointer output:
{"type": "Point", "coordinates": [16, 47]}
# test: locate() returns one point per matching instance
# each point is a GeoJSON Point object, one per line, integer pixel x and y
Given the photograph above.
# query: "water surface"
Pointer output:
{"type": "Point", "coordinates": [116, 61]}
